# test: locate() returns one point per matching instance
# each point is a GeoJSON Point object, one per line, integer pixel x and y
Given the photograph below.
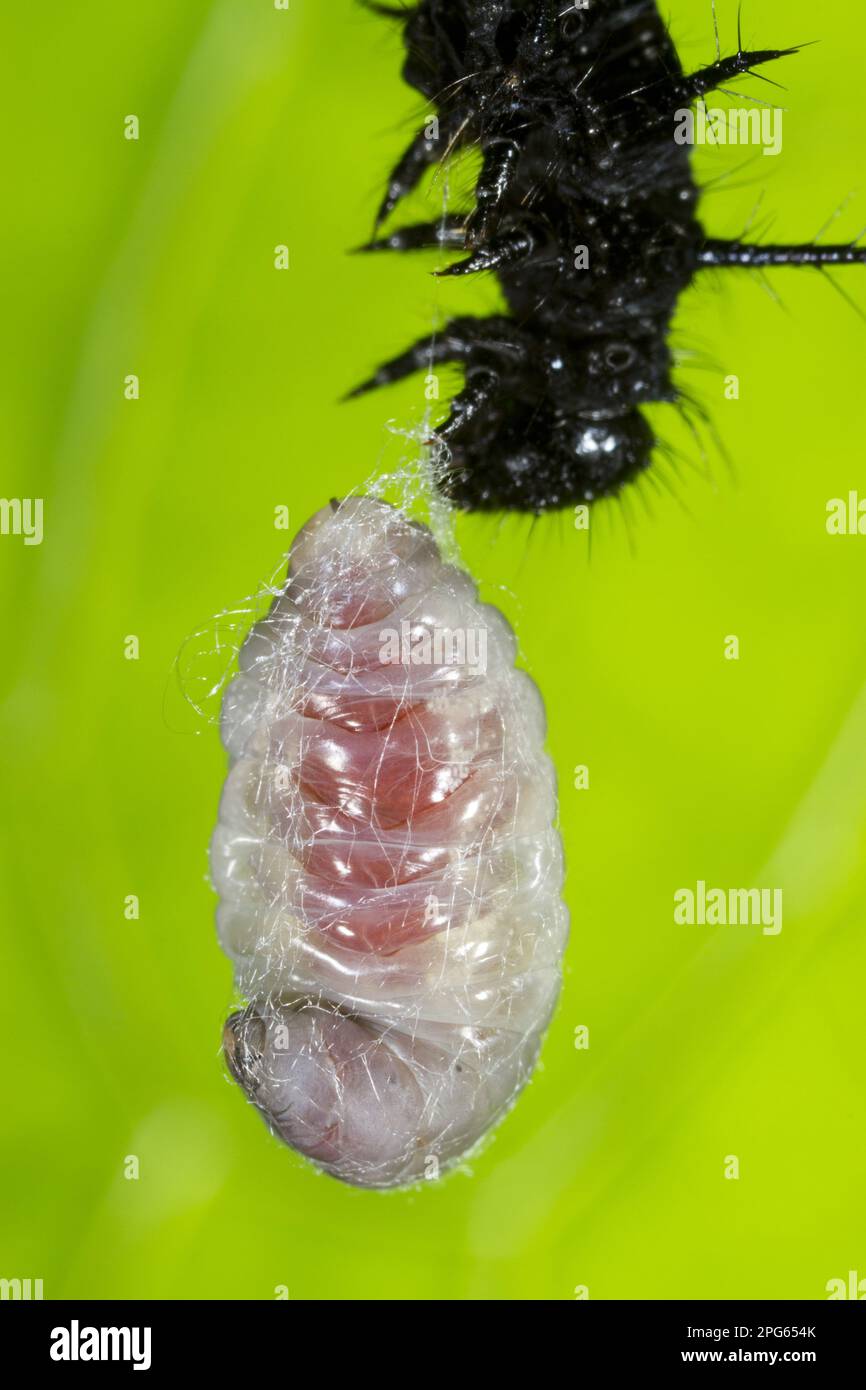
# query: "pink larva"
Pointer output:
{"type": "Point", "coordinates": [385, 855]}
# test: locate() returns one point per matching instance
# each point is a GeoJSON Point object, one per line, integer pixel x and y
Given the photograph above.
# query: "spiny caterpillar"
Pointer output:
{"type": "Point", "coordinates": [389, 874]}
{"type": "Point", "coordinates": [573, 106]}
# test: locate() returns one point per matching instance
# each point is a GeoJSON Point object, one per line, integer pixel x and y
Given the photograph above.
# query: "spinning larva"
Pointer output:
{"type": "Point", "coordinates": [389, 874]}
{"type": "Point", "coordinates": [573, 108]}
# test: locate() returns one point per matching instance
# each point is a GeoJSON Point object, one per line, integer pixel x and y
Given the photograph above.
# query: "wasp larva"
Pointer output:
{"type": "Point", "coordinates": [389, 874]}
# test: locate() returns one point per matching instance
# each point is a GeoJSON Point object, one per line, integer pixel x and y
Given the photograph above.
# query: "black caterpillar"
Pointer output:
{"type": "Point", "coordinates": [572, 105]}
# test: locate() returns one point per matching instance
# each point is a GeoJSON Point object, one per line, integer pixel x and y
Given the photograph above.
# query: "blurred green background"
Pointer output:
{"type": "Point", "coordinates": [260, 127]}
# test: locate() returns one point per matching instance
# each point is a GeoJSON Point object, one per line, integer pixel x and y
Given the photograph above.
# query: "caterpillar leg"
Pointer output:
{"type": "Point", "coordinates": [479, 390]}
{"type": "Point", "coordinates": [448, 231]}
{"type": "Point", "coordinates": [508, 248]}
{"type": "Point", "coordinates": [421, 356]}
{"type": "Point", "coordinates": [421, 153]}
{"type": "Point", "coordinates": [497, 337]}
{"type": "Point", "coordinates": [501, 160]}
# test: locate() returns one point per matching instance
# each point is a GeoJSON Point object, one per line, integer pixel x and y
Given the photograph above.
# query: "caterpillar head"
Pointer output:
{"type": "Point", "coordinates": [589, 458]}
{"type": "Point", "coordinates": [600, 456]}
{"type": "Point", "coordinates": [584, 407]}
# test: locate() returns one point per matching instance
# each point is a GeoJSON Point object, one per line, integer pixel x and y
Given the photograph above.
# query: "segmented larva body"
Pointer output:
{"type": "Point", "coordinates": [389, 874]}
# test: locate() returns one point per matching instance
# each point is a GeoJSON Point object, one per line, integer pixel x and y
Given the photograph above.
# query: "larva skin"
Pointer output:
{"type": "Point", "coordinates": [574, 113]}
{"type": "Point", "coordinates": [389, 876]}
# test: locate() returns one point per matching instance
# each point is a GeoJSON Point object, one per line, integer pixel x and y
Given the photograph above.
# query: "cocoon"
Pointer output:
{"type": "Point", "coordinates": [389, 875]}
